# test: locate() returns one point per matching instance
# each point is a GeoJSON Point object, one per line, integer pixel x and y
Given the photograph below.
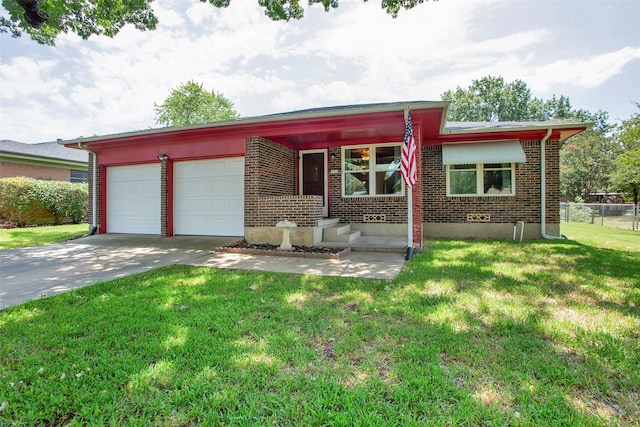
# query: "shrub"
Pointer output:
{"type": "Point", "coordinates": [26, 201]}
{"type": "Point", "coordinates": [17, 202]}
{"type": "Point", "coordinates": [62, 199]}
{"type": "Point", "coordinates": [579, 212]}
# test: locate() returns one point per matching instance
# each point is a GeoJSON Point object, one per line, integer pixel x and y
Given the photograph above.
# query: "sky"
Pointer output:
{"type": "Point", "coordinates": [587, 50]}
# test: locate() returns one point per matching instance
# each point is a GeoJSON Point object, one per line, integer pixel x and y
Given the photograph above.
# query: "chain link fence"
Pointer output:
{"type": "Point", "coordinates": [620, 215]}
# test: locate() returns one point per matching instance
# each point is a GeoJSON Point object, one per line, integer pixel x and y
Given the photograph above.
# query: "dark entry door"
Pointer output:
{"type": "Point", "coordinates": [313, 173]}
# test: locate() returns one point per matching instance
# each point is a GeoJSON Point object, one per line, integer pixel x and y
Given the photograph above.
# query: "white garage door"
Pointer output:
{"type": "Point", "coordinates": [209, 197]}
{"type": "Point", "coordinates": [133, 199]}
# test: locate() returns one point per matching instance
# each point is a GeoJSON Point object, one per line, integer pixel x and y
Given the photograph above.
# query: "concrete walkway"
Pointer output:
{"type": "Point", "coordinates": [48, 270]}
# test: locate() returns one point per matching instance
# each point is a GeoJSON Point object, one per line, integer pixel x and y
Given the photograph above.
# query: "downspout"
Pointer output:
{"type": "Point", "coordinates": [94, 204]}
{"type": "Point", "coordinates": [543, 189]}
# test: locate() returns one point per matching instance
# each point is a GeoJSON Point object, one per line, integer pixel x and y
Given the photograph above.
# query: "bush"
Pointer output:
{"type": "Point", "coordinates": [579, 212]}
{"type": "Point", "coordinates": [26, 201]}
{"type": "Point", "coordinates": [17, 203]}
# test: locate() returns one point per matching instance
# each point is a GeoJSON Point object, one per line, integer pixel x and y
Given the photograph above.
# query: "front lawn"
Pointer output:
{"type": "Point", "coordinates": [470, 333]}
{"type": "Point", "coordinates": [13, 238]}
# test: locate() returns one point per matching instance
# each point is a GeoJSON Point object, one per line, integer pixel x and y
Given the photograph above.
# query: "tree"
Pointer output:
{"type": "Point", "coordinates": [586, 161]}
{"type": "Point", "coordinates": [492, 99]}
{"type": "Point", "coordinates": [190, 103]}
{"type": "Point", "coordinates": [626, 174]}
{"type": "Point", "coordinates": [43, 20]}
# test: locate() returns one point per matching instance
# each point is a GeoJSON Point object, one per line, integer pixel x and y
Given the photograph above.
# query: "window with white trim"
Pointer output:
{"type": "Point", "coordinates": [372, 170]}
{"type": "Point", "coordinates": [482, 179]}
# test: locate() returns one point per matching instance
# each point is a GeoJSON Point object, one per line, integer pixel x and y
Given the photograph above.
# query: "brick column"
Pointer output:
{"type": "Point", "coordinates": [417, 198]}
{"type": "Point", "coordinates": [97, 187]}
{"type": "Point", "coordinates": [164, 168]}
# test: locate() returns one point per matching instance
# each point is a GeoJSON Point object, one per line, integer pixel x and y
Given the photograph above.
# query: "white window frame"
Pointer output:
{"type": "Point", "coordinates": [479, 169]}
{"type": "Point", "coordinates": [372, 170]}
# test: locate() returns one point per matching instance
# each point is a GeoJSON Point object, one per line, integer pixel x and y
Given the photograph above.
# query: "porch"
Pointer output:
{"type": "Point", "coordinates": [338, 235]}
{"type": "Point", "coordinates": [331, 232]}
{"type": "Point", "coordinates": [272, 194]}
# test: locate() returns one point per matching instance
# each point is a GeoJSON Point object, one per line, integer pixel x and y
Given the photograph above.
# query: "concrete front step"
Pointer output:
{"type": "Point", "coordinates": [372, 244]}
{"type": "Point", "coordinates": [340, 233]}
{"type": "Point", "coordinates": [327, 222]}
{"type": "Point", "coordinates": [335, 234]}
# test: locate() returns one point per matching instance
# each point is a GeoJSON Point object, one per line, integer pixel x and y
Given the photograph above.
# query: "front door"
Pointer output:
{"type": "Point", "coordinates": [313, 176]}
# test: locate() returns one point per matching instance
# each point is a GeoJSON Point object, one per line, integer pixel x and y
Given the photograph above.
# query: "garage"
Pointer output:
{"type": "Point", "coordinates": [209, 197]}
{"type": "Point", "coordinates": [133, 199]}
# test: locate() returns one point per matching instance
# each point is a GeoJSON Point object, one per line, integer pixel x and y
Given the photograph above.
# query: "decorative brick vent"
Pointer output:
{"type": "Point", "coordinates": [478, 217]}
{"type": "Point", "coordinates": [374, 218]}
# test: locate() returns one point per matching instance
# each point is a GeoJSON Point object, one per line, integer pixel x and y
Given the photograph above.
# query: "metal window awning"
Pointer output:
{"type": "Point", "coordinates": [483, 152]}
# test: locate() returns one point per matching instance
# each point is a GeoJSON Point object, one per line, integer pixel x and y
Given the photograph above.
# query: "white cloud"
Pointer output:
{"type": "Point", "coordinates": [354, 54]}
{"type": "Point", "coordinates": [24, 77]}
{"type": "Point", "coordinates": [586, 72]}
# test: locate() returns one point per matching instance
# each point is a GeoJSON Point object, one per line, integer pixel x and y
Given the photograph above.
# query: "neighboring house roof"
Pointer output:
{"type": "Point", "coordinates": [44, 153]}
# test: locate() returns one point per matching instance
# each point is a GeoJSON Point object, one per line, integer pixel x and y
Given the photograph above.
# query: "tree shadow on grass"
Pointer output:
{"type": "Point", "coordinates": [184, 345]}
{"type": "Point", "coordinates": [550, 268]}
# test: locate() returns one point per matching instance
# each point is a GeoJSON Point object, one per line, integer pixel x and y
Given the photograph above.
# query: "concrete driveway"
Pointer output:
{"type": "Point", "coordinates": [30, 273]}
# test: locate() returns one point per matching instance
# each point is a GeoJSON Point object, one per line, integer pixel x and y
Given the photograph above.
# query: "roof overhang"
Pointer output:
{"type": "Point", "coordinates": [307, 128]}
{"type": "Point", "coordinates": [455, 131]}
{"type": "Point", "coordinates": [42, 161]}
{"type": "Point", "coordinates": [341, 125]}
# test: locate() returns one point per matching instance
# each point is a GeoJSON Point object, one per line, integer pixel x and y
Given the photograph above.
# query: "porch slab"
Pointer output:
{"type": "Point", "coordinates": [365, 265]}
{"type": "Point", "coordinates": [372, 244]}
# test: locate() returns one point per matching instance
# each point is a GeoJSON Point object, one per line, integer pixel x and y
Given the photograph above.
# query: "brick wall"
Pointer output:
{"type": "Point", "coordinates": [305, 211]}
{"type": "Point", "coordinates": [91, 186]}
{"type": "Point", "coordinates": [269, 171]}
{"type": "Point", "coordinates": [524, 206]}
{"type": "Point", "coordinates": [351, 209]}
{"type": "Point", "coordinates": [164, 194]}
{"type": "Point", "coordinates": [553, 181]}
{"type": "Point", "coordinates": [10, 169]}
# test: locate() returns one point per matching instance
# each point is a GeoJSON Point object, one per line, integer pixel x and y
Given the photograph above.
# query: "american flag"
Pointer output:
{"type": "Point", "coordinates": [408, 161]}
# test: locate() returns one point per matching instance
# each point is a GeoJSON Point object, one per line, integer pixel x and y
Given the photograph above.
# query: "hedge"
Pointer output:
{"type": "Point", "coordinates": [27, 201]}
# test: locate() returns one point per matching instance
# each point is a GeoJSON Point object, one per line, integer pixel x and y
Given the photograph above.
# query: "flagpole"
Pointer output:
{"type": "Point", "coordinates": [409, 223]}
{"type": "Point", "coordinates": [409, 253]}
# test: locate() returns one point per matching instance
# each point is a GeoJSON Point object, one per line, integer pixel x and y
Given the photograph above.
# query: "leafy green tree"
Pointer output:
{"type": "Point", "coordinates": [492, 99]}
{"type": "Point", "coordinates": [626, 174]}
{"type": "Point", "coordinates": [43, 20]}
{"type": "Point", "coordinates": [586, 161]}
{"type": "Point", "coordinates": [190, 103]}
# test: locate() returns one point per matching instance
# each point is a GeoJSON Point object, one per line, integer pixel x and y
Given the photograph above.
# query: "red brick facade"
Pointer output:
{"type": "Point", "coordinates": [10, 169]}
{"type": "Point", "coordinates": [305, 211]}
{"type": "Point", "coordinates": [91, 188]}
{"type": "Point", "coordinates": [270, 187]}
{"type": "Point", "coordinates": [269, 171]}
{"type": "Point", "coordinates": [524, 206]}
{"type": "Point", "coordinates": [352, 209]}
{"type": "Point", "coordinates": [270, 191]}
{"type": "Point", "coordinates": [271, 181]}
{"type": "Point", "coordinates": [165, 165]}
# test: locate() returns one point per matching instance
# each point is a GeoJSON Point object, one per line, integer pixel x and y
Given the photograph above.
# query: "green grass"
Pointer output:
{"type": "Point", "coordinates": [605, 237]}
{"type": "Point", "coordinates": [470, 333]}
{"type": "Point", "coordinates": [13, 238]}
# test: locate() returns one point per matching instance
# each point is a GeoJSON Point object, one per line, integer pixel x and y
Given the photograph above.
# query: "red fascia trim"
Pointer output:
{"type": "Point", "coordinates": [309, 133]}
